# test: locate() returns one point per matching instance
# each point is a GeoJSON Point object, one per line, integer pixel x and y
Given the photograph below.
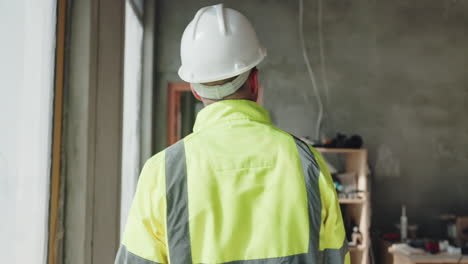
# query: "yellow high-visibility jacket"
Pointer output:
{"type": "Point", "coordinates": [237, 190]}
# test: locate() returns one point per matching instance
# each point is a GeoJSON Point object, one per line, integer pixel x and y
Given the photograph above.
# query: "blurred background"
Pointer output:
{"type": "Point", "coordinates": [89, 91]}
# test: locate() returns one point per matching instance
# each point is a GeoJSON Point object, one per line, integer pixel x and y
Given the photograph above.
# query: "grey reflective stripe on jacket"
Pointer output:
{"type": "Point", "coordinates": [331, 256]}
{"type": "Point", "coordinates": [311, 172]}
{"type": "Point", "coordinates": [126, 257]}
{"type": "Point", "coordinates": [336, 255]}
{"type": "Point", "coordinates": [177, 212]}
{"type": "Point", "coordinates": [178, 234]}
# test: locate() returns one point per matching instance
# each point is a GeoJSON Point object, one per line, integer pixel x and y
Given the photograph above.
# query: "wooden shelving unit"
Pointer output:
{"type": "Point", "coordinates": [358, 208]}
{"type": "Point", "coordinates": [352, 201]}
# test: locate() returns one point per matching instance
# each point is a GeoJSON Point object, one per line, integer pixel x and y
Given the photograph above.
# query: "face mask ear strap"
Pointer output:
{"type": "Point", "coordinates": [197, 96]}
{"type": "Point", "coordinates": [253, 80]}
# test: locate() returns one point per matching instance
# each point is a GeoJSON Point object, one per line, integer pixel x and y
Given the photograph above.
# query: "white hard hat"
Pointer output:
{"type": "Point", "coordinates": [217, 44]}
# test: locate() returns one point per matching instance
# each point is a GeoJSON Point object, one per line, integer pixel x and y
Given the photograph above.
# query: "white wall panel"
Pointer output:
{"type": "Point", "coordinates": [27, 46]}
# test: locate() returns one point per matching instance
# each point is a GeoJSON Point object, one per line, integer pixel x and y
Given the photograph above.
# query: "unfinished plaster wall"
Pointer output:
{"type": "Point", "coordinates": [396, 74]}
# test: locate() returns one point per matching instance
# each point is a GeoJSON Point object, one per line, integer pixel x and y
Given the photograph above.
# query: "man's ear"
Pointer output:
{"type": "Point", "coordinates": [253, 83]}
{"type": "Point", "coordinates": [195, 93]}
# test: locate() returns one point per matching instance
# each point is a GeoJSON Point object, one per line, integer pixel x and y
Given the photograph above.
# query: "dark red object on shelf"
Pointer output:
{"type": "Point", "coordinates": [432, 247]}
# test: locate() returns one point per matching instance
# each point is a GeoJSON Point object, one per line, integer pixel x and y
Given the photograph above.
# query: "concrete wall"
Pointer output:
{"type": "Point", "coordinates": [397, 75]}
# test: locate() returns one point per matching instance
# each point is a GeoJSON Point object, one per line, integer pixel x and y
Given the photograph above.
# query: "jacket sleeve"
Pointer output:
{"type": "Point", "coordinates": [144, 238]}
{"type": "Point", "coordinates": [332, 233]}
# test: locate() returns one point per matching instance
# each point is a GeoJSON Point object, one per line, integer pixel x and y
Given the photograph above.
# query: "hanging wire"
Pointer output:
{"type": "Point", "coordinates": [322, 50]}
{"type": "Point", "coordinates": [310, 71]}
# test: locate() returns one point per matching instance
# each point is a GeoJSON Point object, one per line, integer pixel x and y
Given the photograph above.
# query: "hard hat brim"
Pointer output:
{"type": "Point", "coordinates": [186, 78]}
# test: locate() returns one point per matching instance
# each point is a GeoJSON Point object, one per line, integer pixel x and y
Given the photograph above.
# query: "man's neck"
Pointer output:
{"type": "Point", "coordinates": [207, 102]}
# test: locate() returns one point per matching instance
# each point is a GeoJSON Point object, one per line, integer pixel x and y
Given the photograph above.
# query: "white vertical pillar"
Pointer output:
{"type": "Point", "coordinates": [131, 129]}
{"type": "Point", "coordinates": [27, 69]}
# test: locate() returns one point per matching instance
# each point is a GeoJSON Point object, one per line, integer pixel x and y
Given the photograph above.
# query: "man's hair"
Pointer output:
{"type": "Point", "coordinates": [230, 79]}
{"type": "Point", "coordinates": [220, 82]}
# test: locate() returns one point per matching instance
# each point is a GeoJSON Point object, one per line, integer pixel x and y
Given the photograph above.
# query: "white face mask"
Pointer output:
{"type": "Point", "coordinates": [217, 92]}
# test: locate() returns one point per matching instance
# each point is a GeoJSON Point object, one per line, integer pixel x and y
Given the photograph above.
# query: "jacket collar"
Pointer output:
{"type": "Point", "coordinates": [228, 110]}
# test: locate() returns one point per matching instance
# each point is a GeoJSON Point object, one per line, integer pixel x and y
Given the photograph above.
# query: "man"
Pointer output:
{"type": "Point", "coordinates": [236, 190]}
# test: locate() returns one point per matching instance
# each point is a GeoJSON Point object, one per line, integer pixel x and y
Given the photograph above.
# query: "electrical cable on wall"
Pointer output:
{"type": "Point", "coordinates": [323, 64]}
{"type": "Point", "coordinates": [309, 70]}
{"type": "Point", "coordinates": [322, 50]}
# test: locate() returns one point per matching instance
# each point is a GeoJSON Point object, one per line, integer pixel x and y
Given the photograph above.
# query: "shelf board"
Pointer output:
{"type": "Point", "coordinates": [340, 150]}
{"type": "Point", "coordinates": [358, 248]}
{"type": "Point", "coordinates": [352, 201]}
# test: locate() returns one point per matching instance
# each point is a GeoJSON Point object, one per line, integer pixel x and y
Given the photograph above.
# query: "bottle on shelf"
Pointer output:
{"type": "Point", "coordinates": [403, 224]}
